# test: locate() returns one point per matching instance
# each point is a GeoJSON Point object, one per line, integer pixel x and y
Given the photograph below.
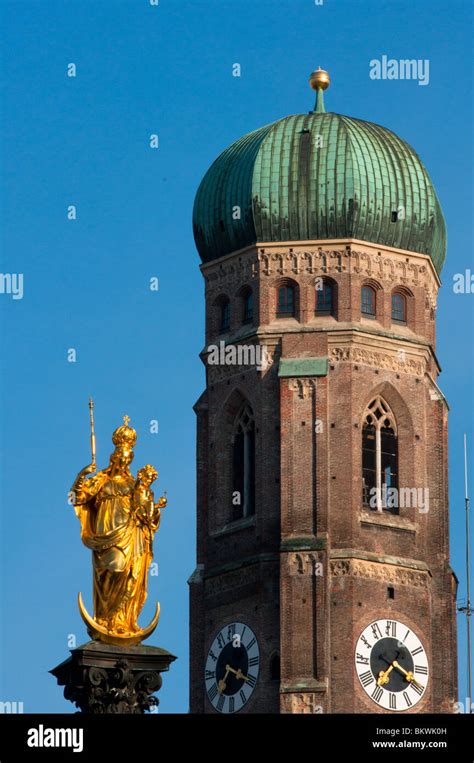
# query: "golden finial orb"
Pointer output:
{"type": "Point", "coordinates": [319, 79]}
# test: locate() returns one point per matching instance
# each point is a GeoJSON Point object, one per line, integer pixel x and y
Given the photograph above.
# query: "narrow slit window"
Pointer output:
{"type": "Point", "coordinates": [224, 322]}
{"type": "Point", "coordinates": [286, 301]}
{"type": "Point", "coordinates": [243, 464]}
{"type": "Point", "coordinates": [248, 307]}
{"type": "Point", "coordinates": [368, 301]}
{"type": "Point", "coordinates": [399, 308]}
{"type": "Point", "coordinates": [325, 299]}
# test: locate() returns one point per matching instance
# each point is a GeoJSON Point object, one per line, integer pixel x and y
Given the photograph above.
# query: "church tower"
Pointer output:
{"type": "Point", "coordinates": [323, 582]}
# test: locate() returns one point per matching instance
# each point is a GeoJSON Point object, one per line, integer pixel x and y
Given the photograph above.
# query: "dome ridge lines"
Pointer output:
{"type": "Point", "coordinates": [389, 155]}
{"type": "Point", "coordinates": [289, 186]}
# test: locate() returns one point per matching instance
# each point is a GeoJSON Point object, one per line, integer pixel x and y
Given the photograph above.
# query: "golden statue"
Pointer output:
{"type": "Point", "coordinates": [119, 519]}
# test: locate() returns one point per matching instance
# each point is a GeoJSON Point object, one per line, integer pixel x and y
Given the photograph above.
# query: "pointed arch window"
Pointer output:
{"type": "Point", "coordinates": [243, 464]}
{"type": "Point", "coordinates": [379, 456]}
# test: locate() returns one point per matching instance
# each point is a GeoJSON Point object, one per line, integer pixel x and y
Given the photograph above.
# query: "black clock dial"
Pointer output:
{"type": "Point", "coordinates": [235, 657]}
{"type": "Point", "coordinates": [382, 656]}
{"type": "Point", "coordinates": [232, 668]}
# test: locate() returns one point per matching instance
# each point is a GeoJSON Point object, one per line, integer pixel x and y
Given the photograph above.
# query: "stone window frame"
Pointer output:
{"type": "Point", "coordinates": [386, 419]}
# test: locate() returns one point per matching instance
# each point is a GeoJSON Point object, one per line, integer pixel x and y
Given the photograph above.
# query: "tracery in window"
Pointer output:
{"type": "Point", "coordinates": [379, 457]}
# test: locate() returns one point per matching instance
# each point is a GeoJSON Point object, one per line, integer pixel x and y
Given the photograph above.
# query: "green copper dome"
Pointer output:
{"type": "Point", "coordinates": [318, 176]}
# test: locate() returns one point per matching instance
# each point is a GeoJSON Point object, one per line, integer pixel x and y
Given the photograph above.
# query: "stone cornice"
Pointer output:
{"type": "Point", "coordinates": [272, 333]}
{"type": "Point", "coordinates": [346, 343]}
{"type": "Point", "coordinates": [303, 543]}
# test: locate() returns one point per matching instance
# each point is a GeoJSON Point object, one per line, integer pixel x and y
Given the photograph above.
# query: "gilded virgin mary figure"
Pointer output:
{"type": "Point", "coordinates": [118, 519]}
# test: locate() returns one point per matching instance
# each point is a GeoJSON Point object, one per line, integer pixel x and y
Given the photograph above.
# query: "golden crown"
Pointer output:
{"type": "Point", "coordinates": [124, 435]}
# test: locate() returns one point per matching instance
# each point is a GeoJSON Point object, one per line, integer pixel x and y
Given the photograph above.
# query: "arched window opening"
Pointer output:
{"type": "Point", "coordinates": [379, 458]}
{"type": "Point", "coordinates": [243, 464]}
{"type": "Point", "coordinates": [326, 298]}
{"type": "Point", "coordinates": [286, 301]}
{"type": "Point", "coordinates": [368, 301]}
{"type": "Point", "coordinates": [224, 320]}
{"type": "Point", "coordinates": [399, 308]}
{"type": "Point", "coordinates": [247, 307]}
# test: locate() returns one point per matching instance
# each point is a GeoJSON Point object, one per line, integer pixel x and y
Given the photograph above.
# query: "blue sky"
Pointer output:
{"type": "Point", "coordinates": [167, 70]}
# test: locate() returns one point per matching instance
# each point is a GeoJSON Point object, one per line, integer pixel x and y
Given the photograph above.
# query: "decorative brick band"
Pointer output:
{"type": "Point", "coordinates": [391, 267]}
{"type": "Point", "coordinates": [378, 360]}
{"type": "Point", "coordinates": [397, 267]}
{"type": "Point", "coordinates": [387, 572]}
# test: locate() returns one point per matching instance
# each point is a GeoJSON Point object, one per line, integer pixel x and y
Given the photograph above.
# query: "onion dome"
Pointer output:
{"type": "Point", "coordinates": [318, 176]}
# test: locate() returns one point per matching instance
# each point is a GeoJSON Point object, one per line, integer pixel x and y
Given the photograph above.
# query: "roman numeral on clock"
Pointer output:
{"type": "Point", "coordinates": [391, 628]}
{"type": "Point", "coordinates": [361, 659]}
{"type": "Point", "coordinates": [366, 678]}
{"type": "Point", "coordinates": [251, 680]}
{"type": "Point", "coordinates": [393, 701]}
{"type": "Point", "coordinates": [243, 697]}
{"type": "Point", "coordinates": [210, 674]}
{"type": "Point", "coordinates": [221, 703]}
{"type": "Point", "coordinates": [212, 693]}
{"type": "Point", "coordinates": [376, 632]}
{"type": "Point", "coordinates": [231, 704]}
{"type": "Point", "coordinates": [407, 699]}
{"type": "Point", "coordinates": [421, 669]}
{"type": "Point", "coordinates": [418, 689]}
{"type": "Point", "coordinates": [418, 650]}
{"type": "Point", "coordinates": [251, 643]}
{"type": "Point", "coordinates": [377, 693]}
{"type": "Point", "coordinates": [253, 661]}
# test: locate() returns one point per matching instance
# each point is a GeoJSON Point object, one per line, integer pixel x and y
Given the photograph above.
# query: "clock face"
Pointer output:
{"type": "Point", "coordinates": [392, 665]}
{"type": "Point", "coordinates": [232, 668]}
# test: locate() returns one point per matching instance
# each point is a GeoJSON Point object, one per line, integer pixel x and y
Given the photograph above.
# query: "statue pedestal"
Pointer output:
{"type": "Point", "coordinates": [99, 678]}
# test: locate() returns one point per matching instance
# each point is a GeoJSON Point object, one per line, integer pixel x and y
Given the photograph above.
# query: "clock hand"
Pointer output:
{"type": "Point", "coordinates": [238, 673]}
{"type": "Point", "coordinates": [384, 676]}
{"type": "Point", "coordinates": [408, 674]}
{"type": "Point", "coordinates": [389, 662]}
{"type": "Point", "coordinates": [222, 683]}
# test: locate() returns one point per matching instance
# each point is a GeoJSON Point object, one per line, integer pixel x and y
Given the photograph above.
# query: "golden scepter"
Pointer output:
{"type": "Point", "coordinates": [91, 411]}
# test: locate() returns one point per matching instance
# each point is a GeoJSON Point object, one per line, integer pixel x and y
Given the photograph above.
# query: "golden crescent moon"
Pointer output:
{"type": "Point", "coordinates": [99, 633]}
